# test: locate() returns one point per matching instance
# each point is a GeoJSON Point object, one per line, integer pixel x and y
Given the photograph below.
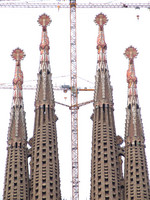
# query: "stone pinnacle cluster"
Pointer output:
{"type": "Point", "coordinates": [109, 181]}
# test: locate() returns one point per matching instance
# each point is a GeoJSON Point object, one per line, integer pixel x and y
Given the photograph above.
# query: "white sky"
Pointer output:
{"type": "Point", "coordinates": [19, 28]}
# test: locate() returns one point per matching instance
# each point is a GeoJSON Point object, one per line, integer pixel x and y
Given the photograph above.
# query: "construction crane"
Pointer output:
{"type": "Point", "coordinates": [74, 102]}
{"type": "Point", "coordinates": [72, 4]}
{"type": "Point", "coordinates": [48, 4]}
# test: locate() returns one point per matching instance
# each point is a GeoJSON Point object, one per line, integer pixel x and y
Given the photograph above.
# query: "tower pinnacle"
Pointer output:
{"type": "Point", "coordinates": [105, 182]}
{"type": "Point", "coordinates": [45, 179]}
{"type": "Point", "coordinates": [136, 173]}
{"type": "Point", "coordinates": [17, 55]}
{"type": "Point", "coordinates": [103, 89]}
{"type": "Point", "coordinates": [131, 53]}
{"type": "Point", "coordinates": [16, 176]}
{"type": "Point", "coordinates": [44, 92]}
{"type": "Point", "coordinates": [101, 20]}
{"type": "Point", "coordinates": [44, 20]}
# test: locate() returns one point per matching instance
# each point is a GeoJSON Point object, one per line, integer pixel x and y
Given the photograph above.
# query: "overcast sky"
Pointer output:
{"type": "Point", "coordinates": [19, 28]}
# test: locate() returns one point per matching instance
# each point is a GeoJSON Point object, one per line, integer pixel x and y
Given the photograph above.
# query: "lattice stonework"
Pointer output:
{"type": "Point", "coordinates": [45, 180]}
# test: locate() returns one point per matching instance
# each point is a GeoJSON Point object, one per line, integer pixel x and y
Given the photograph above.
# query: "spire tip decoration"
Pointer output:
{"type": "Point", "coordinates": [131, 53]}
{"type": "Point", "coordinates": [44, 20]}
{"type": "Point", "coordinates": [18, 54]}
{"type": "Point", "coordinates": [101, 19]}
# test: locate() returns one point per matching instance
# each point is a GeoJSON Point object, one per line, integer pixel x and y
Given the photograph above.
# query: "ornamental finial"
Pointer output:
{"type": "Point", "coordinates": [44, 20]}
{"type": "Point", "coordinates": [101, 19]}
{"type": "Point", "coordinates": [131, 53]}
{"type": "Point", "coordinates": [18, 54]}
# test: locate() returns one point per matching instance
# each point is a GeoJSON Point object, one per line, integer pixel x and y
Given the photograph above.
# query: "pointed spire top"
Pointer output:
{"type": "Point", "coordinates": [17, 55]}
{"type": "Point", "coordinates": [101, 20]}
{"type": "Point", "coordinates": [131, 53]}
{"type": "Point", "coordinates": [44, 20]}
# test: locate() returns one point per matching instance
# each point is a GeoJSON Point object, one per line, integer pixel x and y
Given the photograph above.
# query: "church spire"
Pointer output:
{"type": "Point", "coordinates": [131, 53]}
{"type": "Point", "coordinates": [45, 178]}
{"type": "Point", "coordinates": [44, 21]}
{"type": "Point", "coordinates": [134, 126]}
{"type": "Point", "coordinates": [18, 55]}
{"type": "Point", "coordinates": [44, 92]}
{"type": "Point", "coordinates": [136, 172]}
{"type": "Point", "coordinates": [103, 89]}
{"type": "Point", "coordinates": [17, 111]}
{"type": "Point", "coordinates": [101, 20]}
{"type": "Point", "coordinates": [16, 177]}
{"type": "Point", "coordinates": [105, 181]}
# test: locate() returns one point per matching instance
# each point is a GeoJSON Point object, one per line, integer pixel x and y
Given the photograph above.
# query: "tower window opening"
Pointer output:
{"type": "Point", "coordinates": [44, 112]}
{"type": "Point", "coordinates": [104, 112]}
{"type": "Point", "coordinates": [39, 116]}
{"type": "Point", "coordinates": [99, 113]}
{"type": "Point", "coordinates": [48, 113]}
{"type": "Point", "coordinates": [129, 106]}
{"type": "Point", "coordinates": [108, 115]}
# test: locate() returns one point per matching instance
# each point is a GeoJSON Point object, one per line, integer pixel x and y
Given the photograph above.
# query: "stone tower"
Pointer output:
{"type": "Point", "coordinates": [136, 172]}
{"type": "Point", "coordinates": [45, 180]}
{"type": "Point", "coordinates": [104, 164]}
{"type": "Point", "coordinates": [16, 184]}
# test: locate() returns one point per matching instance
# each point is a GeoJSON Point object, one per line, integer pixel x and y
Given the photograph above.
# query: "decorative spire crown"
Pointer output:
{"type": "Point", "coordinates": [101, 20]}
{"type": "Point", "coordinates": [131, 53]}
{"type": "Point", "coordinates": [44, 20]}
{"type": "Point", "coordinates": [18, 55]}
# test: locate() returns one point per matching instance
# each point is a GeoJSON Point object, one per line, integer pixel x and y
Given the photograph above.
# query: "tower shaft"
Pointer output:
{"type": "Point", "coordinates": [104, 166]}
{"type": "Point", "coordinates": [16, 184]}
{"type": "Point", "coordinates": [45, 180]}
{"type": "Point", "coordinates": [136, 172]}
